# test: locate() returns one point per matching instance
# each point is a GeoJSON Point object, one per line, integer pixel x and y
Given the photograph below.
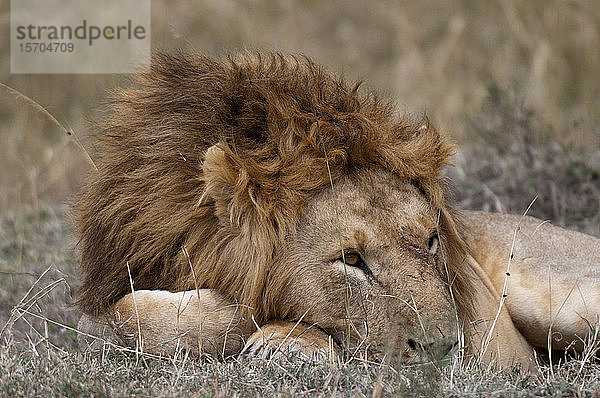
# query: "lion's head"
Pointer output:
{"type": "Point", "coordinates": [369, 255]}
{"type": "Point", "coordinates": [287, 190]}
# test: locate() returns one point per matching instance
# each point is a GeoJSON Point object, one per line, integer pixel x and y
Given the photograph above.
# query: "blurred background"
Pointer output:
{"type": "Point", "coordinates": [515, 83]}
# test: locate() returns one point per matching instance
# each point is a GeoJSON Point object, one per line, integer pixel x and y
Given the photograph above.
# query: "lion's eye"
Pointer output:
{"type": "Point", "coordinates": [434, 243]}
{"type": "Point", "coordinates": [352, 259]}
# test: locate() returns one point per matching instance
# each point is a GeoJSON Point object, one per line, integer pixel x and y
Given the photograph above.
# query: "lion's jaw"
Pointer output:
{"type": "Point", "coordinates": [396, 302]}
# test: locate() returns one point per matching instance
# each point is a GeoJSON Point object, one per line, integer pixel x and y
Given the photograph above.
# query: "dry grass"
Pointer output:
{"type": "Point", "coordinates": [516, 157]}
{"type": "Point", "coordinates": [515, 82]}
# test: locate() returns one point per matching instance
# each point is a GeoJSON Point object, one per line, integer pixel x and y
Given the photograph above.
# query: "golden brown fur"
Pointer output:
{"type": "Point", "coordinates": [229, 193]}
{"type": "Point", "coordinates": [553, 286]}
{"type": "Point", "coordinates": [274, 118]}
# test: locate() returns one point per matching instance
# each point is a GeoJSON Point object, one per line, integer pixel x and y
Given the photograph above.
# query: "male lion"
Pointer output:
{"type": "Point", "coordinates": [264, 202]}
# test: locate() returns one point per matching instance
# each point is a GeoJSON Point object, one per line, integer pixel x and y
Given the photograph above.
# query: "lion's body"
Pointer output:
{"type": "Point", "coordinates": [554, 281]}
{"type": "Point", "coordinates": [247, 185]}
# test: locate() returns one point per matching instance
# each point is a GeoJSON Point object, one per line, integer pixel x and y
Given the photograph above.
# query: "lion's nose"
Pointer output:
{"type": "Point", "coordinates": [434, 351]}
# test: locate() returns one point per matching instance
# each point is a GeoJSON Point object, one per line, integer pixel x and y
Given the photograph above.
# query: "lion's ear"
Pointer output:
{"type": "Point", "coordinates": [228, 186]}
{"type": "Point", "coordinates": [219, 180]}
{"type": "Point", "coordinates": [244, 226]}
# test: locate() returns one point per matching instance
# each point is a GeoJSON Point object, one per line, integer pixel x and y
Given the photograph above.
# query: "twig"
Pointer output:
{"type": "Point", "coordinates": [137, 315]}
{"type": "Point", "coordinates": [10, 320]}
{"type": "Point", "coordinates": [36, 105]}
{"type": "Point", "coordinates": [488, 338]}
{"type": "Point", "coordinates": [285, 338]}
{"type": "Point", "coordinates": [187, 256]}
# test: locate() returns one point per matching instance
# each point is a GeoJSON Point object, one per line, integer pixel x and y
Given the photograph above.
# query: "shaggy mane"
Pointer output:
{"type": "Point", "coordinates": [158, 207]}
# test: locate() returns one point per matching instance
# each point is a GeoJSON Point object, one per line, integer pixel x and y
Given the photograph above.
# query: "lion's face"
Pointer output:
{"type": "Point", "coordinates": [391, 295]}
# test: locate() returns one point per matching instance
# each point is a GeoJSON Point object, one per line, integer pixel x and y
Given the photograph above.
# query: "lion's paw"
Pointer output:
{"type": "Point", "coordinates": [290, 339]}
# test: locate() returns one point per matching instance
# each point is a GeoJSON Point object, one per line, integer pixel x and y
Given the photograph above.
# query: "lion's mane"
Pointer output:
{"type": "Point", "coordinates": [284, 125]}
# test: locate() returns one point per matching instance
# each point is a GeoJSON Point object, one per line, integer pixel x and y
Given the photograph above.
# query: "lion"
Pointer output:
{"type": "Point", "coordinates": [261, 204]}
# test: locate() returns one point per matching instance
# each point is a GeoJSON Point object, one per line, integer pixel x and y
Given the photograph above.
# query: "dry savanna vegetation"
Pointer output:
{"type": "Point", "coordinates": [515, 83]}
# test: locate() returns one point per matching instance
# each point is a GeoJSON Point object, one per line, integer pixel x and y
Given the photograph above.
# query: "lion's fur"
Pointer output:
{"type": "Point", "coordinates": [553, 280]}
{"type": "Point", "coordinates": [157, 207]}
